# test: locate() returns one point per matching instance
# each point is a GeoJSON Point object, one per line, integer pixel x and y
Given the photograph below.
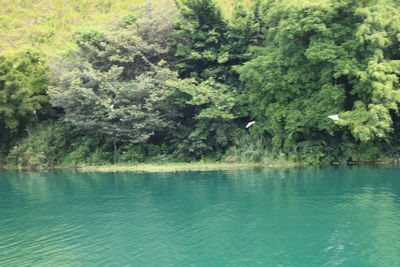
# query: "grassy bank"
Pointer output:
{"type": "Point", "coordinates": [177, 167]}
{"type": "Point", "coordinates": [174, 167]}
{"type": "Point", "coordinates": [197, 166]}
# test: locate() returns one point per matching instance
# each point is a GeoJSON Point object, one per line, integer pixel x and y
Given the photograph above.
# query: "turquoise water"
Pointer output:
{"type": "Point", "coordinates": [330, 216]}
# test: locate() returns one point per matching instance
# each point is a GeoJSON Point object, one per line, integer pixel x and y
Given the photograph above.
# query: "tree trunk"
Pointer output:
{"type": "Point", "coordinates": [115, 151]}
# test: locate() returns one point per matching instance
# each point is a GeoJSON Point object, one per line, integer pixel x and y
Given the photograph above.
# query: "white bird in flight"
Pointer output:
{"type": "Point", "coordinates": [250, 123]}
{"type": "Point", "coordinates": [334, 117]}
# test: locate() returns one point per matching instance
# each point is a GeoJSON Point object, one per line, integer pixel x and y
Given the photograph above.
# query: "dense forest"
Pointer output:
{"type": "Point", "coordinates": [99, 82]}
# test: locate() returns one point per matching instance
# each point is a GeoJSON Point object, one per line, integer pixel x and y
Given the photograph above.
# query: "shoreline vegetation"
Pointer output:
{"type": "Point", "coordinates": [262, 81]}
{"type": "Point", "coordinates": [193, 166]}
{"type": "Point", "coordinates": [177, 167]}
{"type": "Point", "coordinates": [154, 167]}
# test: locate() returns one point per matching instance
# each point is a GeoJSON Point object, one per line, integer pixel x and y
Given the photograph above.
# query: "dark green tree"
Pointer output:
{"type": "Point", "coordinates": [209, 47]}
{"type": "Point", "coordinates": [202, 33]}
{"type": "Point", "coordinates": [209, 44]}
{"type": "Point", "coordinates": [116, 85]}
{"type": "Point", "coordinates": [119, 111]}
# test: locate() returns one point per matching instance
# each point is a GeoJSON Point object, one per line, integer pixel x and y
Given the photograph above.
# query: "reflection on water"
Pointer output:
{"type": "Point", "coordinates": [308, 216]}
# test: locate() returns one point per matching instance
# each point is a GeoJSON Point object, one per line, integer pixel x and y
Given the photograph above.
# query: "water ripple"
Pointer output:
{"type": "Point", "coordinates": [261, 217]}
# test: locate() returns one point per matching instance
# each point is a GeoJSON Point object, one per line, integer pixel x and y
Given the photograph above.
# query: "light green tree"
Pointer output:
{"type": "Point", "coordinates": [23, 84]}
{"type": "Point", "coordinates": [323, 58]}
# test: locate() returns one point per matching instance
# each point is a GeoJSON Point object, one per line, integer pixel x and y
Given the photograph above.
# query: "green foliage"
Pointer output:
{"type": "Point", "coordinates": [217, 100]}
{"type": "Point", "coordinates": [105, 106]}
{"type": "Point", "coordinates": [209, 44]}
{"type": "Point", "coordinates": [44, 146]}
{"type": "Point", "coordinates": [323, 58]}
{"type": "Point", "coordinates": [23, 99]}
{"type": "Point", "coordinates": [162, 83]}
{"type": "Point", "coordinates": [248, 148]}
{"type": "Point", "coordinates": [210, 138]}
{"type": "Point", "coordinates": [116, 85]}
{"type": "Point", "coordinates": [137, 153]}
{"type": "Point", "coordinates": [202, 33]}
{"type": "Point", "coordinates": [56, 143]}
{"type": "Point", "coordinates": [133, 153]}
{"type": "Point", "coordinates": [215, 108]}
{"type": "Point", "coordinates": [86, 150]}
{"type": "Point", "coordinates": [136, 47]}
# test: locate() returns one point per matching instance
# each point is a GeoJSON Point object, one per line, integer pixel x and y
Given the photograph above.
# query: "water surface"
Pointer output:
{"type": "Point", "coordinates": [330, 216]}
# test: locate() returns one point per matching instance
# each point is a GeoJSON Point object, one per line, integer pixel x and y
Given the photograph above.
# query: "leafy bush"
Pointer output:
{"type": "Point", "coordinates": [85, 150]}
{"type": "Point", "coordinates": [136, 153]}
{"type": "Point", "coordinates": [55, 143]}
{"type": "Point", "coordinates": [250, 148]}
{"type": "Point", "coordinates": [44, 146]}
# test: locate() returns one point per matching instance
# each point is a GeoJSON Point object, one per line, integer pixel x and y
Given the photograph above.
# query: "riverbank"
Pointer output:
{"type": "Point", "coordinates": [175, 167]}
{"type": "Point", "coordinates": [197, 166]}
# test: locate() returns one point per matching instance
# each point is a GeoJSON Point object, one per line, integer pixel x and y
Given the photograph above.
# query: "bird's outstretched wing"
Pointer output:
{"type": "Point", "coordinates": [334, 117]}
{"type": "Point", "coordinates": [249, 124]}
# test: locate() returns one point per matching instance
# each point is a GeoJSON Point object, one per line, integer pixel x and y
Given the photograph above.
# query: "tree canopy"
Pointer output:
{"type": "Point", "coordinates": [323, 58]}
{"type": "Point", "coordinates": [179, 80]}
{"type": "Point", "coordinates": [23, 98]}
